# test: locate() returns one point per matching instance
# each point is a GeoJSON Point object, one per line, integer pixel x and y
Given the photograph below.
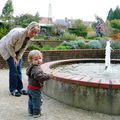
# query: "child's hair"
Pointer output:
{"type": "Point", "coordinates": [33, 54]}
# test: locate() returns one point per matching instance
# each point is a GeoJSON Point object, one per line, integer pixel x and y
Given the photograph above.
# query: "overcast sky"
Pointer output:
{"type": "Point", "coordinates": [82, 9]}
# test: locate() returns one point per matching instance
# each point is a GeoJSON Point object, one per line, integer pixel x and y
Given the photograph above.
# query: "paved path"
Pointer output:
{"type": "Point", "coordinates": [15, 108]}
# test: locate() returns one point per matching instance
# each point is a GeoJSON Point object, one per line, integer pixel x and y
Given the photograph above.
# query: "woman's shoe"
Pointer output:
{"type": "Point", "coordinates": [16, 93]}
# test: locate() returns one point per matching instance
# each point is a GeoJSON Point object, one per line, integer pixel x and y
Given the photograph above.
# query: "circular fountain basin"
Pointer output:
{"type": "Point", "coordinates": [84, 91]}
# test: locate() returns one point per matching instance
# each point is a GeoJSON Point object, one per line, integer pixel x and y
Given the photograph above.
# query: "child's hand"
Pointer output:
{"type": "Point", "coordinates": [51, 75]}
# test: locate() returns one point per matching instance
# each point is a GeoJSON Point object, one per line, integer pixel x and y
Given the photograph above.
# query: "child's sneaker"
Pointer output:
{"type": "Point", "coordinates": [36, 116]}
{"type": "Point", "coordinates": [23, 92]}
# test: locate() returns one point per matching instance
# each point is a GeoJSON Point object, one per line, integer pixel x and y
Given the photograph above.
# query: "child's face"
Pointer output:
{"type": "Point", "coordinates": [37, 60]}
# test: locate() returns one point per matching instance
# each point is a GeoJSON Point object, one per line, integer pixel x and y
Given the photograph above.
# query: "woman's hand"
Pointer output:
{"type": "Point", "coordinates": [15, 60]}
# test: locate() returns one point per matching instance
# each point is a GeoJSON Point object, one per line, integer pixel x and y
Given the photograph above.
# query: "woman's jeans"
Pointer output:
{"type": "Point", "coordinates": [34, 102]}
{"type": "Point", "coordinates": [15, 75]}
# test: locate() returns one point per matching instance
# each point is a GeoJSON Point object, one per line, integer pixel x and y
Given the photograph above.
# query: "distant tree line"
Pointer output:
{"type": "Point", "coordinates": [78, 28]}
{"type": "Point", "coordinates": [23, 20]}
{"type": "Point", "coordinates": [114, 14]}
{"type": "Point", "coordinates": [8, 21]}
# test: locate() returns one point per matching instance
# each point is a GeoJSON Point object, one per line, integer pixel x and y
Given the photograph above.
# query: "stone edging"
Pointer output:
{"type": "Point", "coordinates": [81, 80]}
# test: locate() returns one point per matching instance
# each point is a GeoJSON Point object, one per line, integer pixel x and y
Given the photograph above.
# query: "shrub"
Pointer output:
{"type": "Point", "coordinates": [102, 38]}
{"type": "Point", "coordinates": [3, 31]}
{"type": "Point", "coordinates": [115, 45]}
{"type": "Point", "coordinates": [68, 36]}
{"type": "Point", "coordinates": [116, 36]}
{"type": "Point", "coordinates": [78, 28]}
{"type": "Point", "coordinates": [33, 47]}
{"type": "Point", "coordinates": [62, 47]}
{"type": "Point", "coordinates": [81, 44]}
{"type": "Point", "coordinates": [103, 43]}
{"type": "Point", "coordinates": [94, 44]}
{"type": "Point", "coordinates": [46, 47]}
{"type": "Point", "coordinates": [77, 44]}
{"type": "Point", "coordinates": [115, 24]}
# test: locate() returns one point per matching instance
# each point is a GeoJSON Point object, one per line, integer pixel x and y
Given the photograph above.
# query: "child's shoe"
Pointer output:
{"type": "Point", "coordinates": [23, 92]}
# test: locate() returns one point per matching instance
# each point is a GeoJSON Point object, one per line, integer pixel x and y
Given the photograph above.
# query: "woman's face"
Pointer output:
{"type": "Point", "coordinates": [33, 32]}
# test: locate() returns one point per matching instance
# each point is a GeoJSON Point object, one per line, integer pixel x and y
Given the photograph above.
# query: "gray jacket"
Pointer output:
{"type": "Point", "coordinates": [36, 76]}
{"type": "Point", "coordinates": [12, 43]}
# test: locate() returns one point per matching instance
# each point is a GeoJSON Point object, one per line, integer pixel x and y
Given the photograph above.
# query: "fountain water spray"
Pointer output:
{"type": "Point", "coordinates": [107, 55]}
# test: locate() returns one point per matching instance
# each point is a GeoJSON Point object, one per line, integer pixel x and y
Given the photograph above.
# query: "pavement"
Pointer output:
{"type": "Point", "coordinates": [15, 108]}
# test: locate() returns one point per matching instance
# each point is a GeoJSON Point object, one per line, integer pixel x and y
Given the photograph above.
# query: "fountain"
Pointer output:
{"type": "Point", "coordinates": [107, 55]}
{"type": "Point", "coordinates": [94, 87]}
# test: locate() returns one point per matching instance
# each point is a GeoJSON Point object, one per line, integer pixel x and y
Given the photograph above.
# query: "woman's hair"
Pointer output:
{"type": "Point", "coordinates": [33, 54]}
{"type": "Point", "coordinates": [33, 25]}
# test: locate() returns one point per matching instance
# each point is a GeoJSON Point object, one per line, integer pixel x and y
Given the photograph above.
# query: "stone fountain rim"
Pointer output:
{"type": "Point", "coordinates": [81, 80]}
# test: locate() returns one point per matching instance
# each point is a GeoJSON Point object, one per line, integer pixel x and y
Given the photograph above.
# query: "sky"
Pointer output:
{"type": "Point", "coordinates": [60, 9]}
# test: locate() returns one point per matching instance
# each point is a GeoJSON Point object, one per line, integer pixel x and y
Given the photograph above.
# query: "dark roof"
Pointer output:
{"type": "Point", "coordinates": [61, 22]}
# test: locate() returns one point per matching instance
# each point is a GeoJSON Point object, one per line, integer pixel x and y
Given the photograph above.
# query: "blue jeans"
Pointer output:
{"type": "Point", "coordinates": [15, 75]}
{"type": "Point", "coordinates": [99, 34]}
{"type": "Point", "coordinates": [34, 102]}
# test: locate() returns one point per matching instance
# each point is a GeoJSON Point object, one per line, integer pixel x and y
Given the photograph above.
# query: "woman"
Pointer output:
{"type": "Point", "coordinates": [12, 47]}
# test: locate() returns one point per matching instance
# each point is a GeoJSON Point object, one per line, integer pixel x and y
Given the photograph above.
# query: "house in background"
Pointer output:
{"type": "Point", "coordinates": [62, 24]}
{"type": "Point", "coordinates": [88, 23]}
{"type": "Point", "coordinates": [59, 25]}
{"type": "Point", "coordinates": [46, 24]}
{"type": "Point", "coordinates": [46, 21]}
{"type": "Point", "coordinates": [65, 23]}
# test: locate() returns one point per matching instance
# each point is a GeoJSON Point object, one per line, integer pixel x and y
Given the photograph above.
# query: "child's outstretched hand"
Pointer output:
{"type": "Point", "coordinates": [51, 75]}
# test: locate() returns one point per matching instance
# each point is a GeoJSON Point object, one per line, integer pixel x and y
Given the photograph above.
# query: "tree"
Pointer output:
{"type": "Point", "coordinates": [110, 14]}
{"type": "Point", "coordinates": [37, 17]}
{"type": "Point", "coordinates": [79, 24]}
{"type": "Point", "coordinates": [115, 24]}
{"type": "Point", "coordinates": [78, 28]}
{"type": "Point", "coordinates": [25, 19]}
{"type": "Point", "coordinates": [116, 14]}
{"type": "Point", "coordinates": [7, 11]}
